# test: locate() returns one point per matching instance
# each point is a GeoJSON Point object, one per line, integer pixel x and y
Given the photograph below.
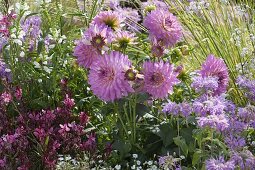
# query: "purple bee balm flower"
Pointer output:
{"type": "Point", "coordinates": [218, 122]}
{"type": "Point", "coordinates": [235, 142]}
{"type": "Point", "coordinates": [107, 77]}
{"type": "Point", "coordinates": [247, 114]}
{"type": "Point", "coordinates": [171, 108]}
{"type": "Point", "coordinates": [205, 84]}
{"type": "Point", "coordinates": [210, 105]}
{"type": "Point", "coordinates": [164, 27]}
{"type": "Point", "coordinates": [219, 164]}
{"type": "Point", "coordinates": [245, 160]}
{"type": "Point", "coordinates": [216, 68]}
{"type": "Point", "coordinates": [184, 108]}
{"type": "Point", "coordinates": [159, 78]}
{"type": "Point", "coordinates": [247, 85]}
{"type": "Point", "coordinates": [110, 19]}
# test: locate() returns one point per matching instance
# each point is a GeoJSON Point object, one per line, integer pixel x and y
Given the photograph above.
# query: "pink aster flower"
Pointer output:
{"type": "Point", "coordinates": [90, 47]}
{"type": "Point", "coordinates": [124, 38]}
{"type": "Point", "coordinates": [86, 54]}
{"type": "Point", "coordinates": [164, 27]}
{"type": "Point", "coordinates": [110, 19]}
{"type": "Point", "coordinates": [159, 78]}
{"type": "Point", "coordinates": [97, 36]}
{"type": "Point", "coordinates": [216, 68]}
{"type": "Point", "coordinates": [107, 76]}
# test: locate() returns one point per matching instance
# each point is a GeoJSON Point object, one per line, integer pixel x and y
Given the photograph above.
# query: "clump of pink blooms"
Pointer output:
{"type": "Point", "coordinates": [41, 135]}
{"type": "Point", "coordinates": [111, 74]}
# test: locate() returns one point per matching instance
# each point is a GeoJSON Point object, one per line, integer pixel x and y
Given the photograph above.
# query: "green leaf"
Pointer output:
{"type": "Point", "coordinates": [196, 157]}
{"type": "Point", "coordinates": [167, 134]}
{"type": "Point", "coordinates": [180, 141]}
{"type": "Point", "coordinates": [122, 146]}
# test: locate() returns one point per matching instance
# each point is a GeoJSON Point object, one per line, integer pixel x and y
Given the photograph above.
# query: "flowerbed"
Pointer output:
{"type": "Point", "coordinates": [127, 85]}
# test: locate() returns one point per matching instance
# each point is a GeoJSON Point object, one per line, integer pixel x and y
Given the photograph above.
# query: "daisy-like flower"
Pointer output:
{"type": "Point", "coordinates": [90, 47]}
{"type": "Point", "coordinates": [219, 164]}
{"type": "Point", "coordinates": [109, 19]}
{"type": "Point", "coordinates": [216, 68]}
{"type": "Point", "coordinates": [124, 38]}
{"type": "Point", "coordinates": [86, 54]}
{"type": "Point", "coordinates": [152, 5]}
{"type": "Point", "coordinates": [97, 36]}
{"type": "Point", "coordinates": [159, 78]}
{"type": "Point", "coordinates": [107, 77]}
{"type": "Point", "coordinates": [164, 27]}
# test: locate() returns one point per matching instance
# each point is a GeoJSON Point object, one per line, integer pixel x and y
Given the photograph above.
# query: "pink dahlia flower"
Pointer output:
{"type": "Point", "coordinates": [97, 36]}
{"type": "Point", "coordinates": [107, 76]}
{"type": "Point", "coordinates": [159, 78]}
{"type": "Point", "coordinates": [164, 27]}
{"type": "Point", "coordinates": [109, 19]}
{"type": "Point", "coordinates": [214, 67]}
{"type": "Point", "coordinates": [86, 54]}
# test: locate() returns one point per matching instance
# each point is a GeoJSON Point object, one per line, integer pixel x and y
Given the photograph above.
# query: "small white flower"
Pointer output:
{"type": "Point", "coordinates": [22, 54]}
{"type": "Point", "coordinates": [135, 156]}
{"type": "Point", "coordinates": [118, 167]}
{"type": "Point", "coordinates": [17, 41]}
{"type": "Point", "coordinates": [133, 167]}
{"type": "Point", "coordinates": [36, 64]}
{"type": "Point", "coordinates": [150, 162]}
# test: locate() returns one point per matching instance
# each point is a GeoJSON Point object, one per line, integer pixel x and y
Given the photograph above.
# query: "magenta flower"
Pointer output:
{"type": "Point", "coordinates": [68, 102]}
{"type": "Point", "coordinates": [216, 68]}
{"type": "Point", "coordinates": [164, 27]}
{"type": "Point", "coordinates": [5, 98]}
{"type": "Point", "coordinates": [107, 77]}
{"type": "Point", "coordinates": [109, 19]}
{"type": "Point", "coordinates": [159, 78]}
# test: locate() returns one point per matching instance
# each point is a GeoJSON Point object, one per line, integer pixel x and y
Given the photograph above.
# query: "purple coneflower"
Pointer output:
{"type": "Point", "coordinates": [107, 77]}
{"type": "Point", "coordinates": [164, 27]}
{"type": "Point", "coordinates": [159, 78]}
{"type": "Point", "coordinates": [216, 68]}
